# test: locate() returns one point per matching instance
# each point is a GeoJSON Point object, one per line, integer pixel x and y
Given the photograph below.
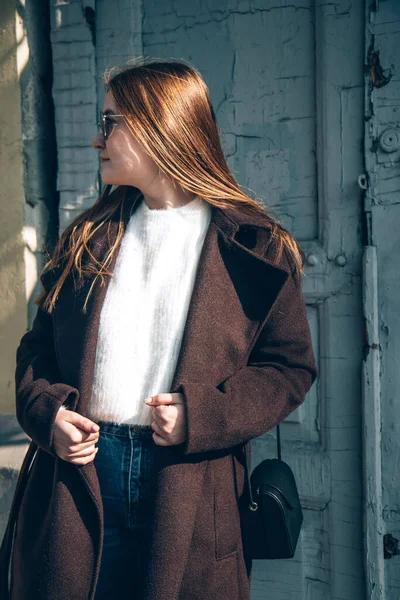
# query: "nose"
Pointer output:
{"type": "Point", "coordinates": [98, 142]}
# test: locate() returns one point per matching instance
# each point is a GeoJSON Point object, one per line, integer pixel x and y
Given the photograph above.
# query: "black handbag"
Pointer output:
{"type": "Point", "coordinates": [270, 509]}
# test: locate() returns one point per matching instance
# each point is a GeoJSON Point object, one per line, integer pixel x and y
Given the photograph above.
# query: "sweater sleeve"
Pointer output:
{"type": "Point", "coordinates": [39, 390]}
{"type": "Point", "coordinates": [280, 371]}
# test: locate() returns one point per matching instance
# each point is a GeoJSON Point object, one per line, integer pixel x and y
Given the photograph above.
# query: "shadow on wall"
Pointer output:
{"type": "Point", "coordinates": [11, 433]}
{"type": "Point", "coordinates": [28, 170]}
{"type": "Point", "coordinates": [12, 265]}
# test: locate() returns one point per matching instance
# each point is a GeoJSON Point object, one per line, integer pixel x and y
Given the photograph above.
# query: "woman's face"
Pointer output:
{"type": "Point", "coordinates": [123, 160]}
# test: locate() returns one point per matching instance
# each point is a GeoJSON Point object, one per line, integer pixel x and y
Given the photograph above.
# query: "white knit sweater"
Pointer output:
{"type": "Point", "coordinates": [145, 309]}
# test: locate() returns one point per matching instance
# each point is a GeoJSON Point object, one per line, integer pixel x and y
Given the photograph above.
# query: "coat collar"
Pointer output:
{"type": "Point", "coordinates": [245, 230]}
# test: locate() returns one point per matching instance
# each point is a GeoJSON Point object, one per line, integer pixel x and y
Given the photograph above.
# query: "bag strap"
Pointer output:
{"type": "Point", "coordinates": [253, 505]}
{"type": "Point", "coordinates": [278, 442]}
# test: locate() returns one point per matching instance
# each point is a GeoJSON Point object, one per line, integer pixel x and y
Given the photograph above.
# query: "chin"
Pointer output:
{"type": "Point", "coordinates": [109, 179]}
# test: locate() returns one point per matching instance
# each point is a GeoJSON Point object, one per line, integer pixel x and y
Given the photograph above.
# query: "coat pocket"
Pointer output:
{"type": "Point", "coordinates": [226, 512]}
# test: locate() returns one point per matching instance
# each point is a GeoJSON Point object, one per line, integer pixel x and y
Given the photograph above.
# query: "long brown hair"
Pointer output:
{"type": "Point", "coordinates": [167, 106]}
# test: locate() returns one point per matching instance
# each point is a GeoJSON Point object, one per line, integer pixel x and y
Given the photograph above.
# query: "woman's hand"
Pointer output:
{"type": "Point", "coordinates": [74, 437]}
{"type": "Point", "coordinates": [169, 419]}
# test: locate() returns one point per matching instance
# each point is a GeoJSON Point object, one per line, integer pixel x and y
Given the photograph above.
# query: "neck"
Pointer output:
{"type": "Point", "coordinates": [169, 198]}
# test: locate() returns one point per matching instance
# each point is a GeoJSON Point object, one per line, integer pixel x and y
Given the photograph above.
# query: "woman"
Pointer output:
{"type": "Point", "coordinates": [171, 331]}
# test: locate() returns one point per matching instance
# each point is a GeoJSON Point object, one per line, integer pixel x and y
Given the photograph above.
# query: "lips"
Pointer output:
{"type": "Point", "coordinates": [103, 159]}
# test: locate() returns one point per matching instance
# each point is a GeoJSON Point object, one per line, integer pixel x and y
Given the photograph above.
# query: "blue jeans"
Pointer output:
{"type": "Point", "coordinates": [125, 463]}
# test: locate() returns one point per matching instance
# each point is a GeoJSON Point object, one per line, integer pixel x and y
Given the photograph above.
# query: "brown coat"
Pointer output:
{"type": "Point", "coordinates": [245, 363]}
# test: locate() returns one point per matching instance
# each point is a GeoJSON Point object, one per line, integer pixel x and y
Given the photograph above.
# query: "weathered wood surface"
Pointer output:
{"type": "Point", "coordinates": [382, 210]}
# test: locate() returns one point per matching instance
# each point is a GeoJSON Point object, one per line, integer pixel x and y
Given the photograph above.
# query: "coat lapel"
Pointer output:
{"type": "Point", "coordinates": [233, 293]}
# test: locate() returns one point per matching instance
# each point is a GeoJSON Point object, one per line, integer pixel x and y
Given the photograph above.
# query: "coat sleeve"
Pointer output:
{"type": "Point", "coordinates": [280, 371]}
{"type": "Point", "coordinates": [39, 391]}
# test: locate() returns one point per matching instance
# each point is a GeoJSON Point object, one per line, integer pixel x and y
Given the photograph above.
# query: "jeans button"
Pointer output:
{"type": "Point", "coordinates": [136, 428]}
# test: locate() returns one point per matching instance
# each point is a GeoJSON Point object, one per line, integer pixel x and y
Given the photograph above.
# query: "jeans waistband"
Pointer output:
{"type": "Point", "coordinates": [125, 429]}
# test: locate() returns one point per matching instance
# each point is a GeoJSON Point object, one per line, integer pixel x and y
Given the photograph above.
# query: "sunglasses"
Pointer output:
{"type": "Point", "coordinates": [106, 124]}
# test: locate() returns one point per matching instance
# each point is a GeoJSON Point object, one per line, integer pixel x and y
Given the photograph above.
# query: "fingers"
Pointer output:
{"type": "Point", "coordinates": [165, 415]}
{"type": "Point", "coordinates": [70, 435]}
{"type": "Point", "coordinates": [73, 443]}
{"type": "Point", "coordinates": [88, 444]}
{"type": "Point", "coordinates": [155, 427]}
{"type": "Point", "coordinates": [82, 458]}
{"type": "Point", "coordinates": [168, 424]}
{"type": "Point", "coordinates": [164, 438]}
{"type": "Point", "coordinates": [83, 423]}
{"type": "Point", "coordinates": [90, 436]}
{"type": "Point", "coordinates": [161, 399]}
{"type": "Point", "coordinates": [77, 436]}
{"type": "Point", "coordinates": [160, 441]}
{"type": "Point", "coordinates": [68, 427]}
{"type": "Point", "coordinates": [81, 454]}
{"type": "Point", "coordinates": [159, 436]}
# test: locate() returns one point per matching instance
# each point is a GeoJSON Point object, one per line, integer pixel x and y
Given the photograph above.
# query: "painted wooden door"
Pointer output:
{"type": "Point", "coordinates": [286, 80]}
{"type": "Point", "coordinates": [381, 431]}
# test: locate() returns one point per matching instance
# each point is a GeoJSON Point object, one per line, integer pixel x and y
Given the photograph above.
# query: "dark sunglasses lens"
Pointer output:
{"type": "Point", "coordinates": [103, 125]}
{"type": "Point", "coordinates": [108, 127]}
{"type": "Point", "coordinates": [106, 124]}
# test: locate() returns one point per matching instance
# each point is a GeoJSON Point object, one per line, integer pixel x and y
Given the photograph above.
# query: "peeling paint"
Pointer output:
{"type": "Point", "coordinates": [90, 18]}
{"type": "Point", "coordinates": [377, 73]}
